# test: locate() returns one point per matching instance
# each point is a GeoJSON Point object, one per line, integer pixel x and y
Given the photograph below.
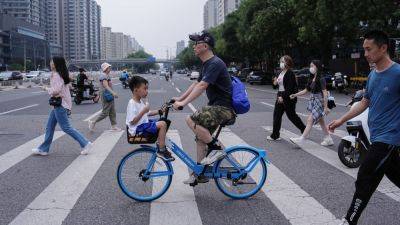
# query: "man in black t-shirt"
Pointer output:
{"type": "Point", "coordinates": [80, 82]}
{"type": "Point", "coordinates": [215, 80]}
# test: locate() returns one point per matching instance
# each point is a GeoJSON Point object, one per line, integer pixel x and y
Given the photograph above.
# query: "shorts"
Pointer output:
{"type": "Point", "coordinates": [210, 117]}
{"type": "Point", "coordinates": [147, 129]}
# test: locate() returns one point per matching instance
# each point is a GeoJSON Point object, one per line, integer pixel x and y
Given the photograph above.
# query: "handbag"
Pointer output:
{"type": "Point", "coordinates": [108, 96]}
{"type": "Point", "coordinates": [331, 101]}
{"type": "Point", "coordinates": [55, 101]}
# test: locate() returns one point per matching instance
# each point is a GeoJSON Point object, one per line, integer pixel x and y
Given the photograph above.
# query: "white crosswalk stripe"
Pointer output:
{"type": "Point", "coordinates": [330, 157]}
{"type": "Point", "coordinates": [296, 204]}
{"type": "Point", "coordinates": [54, 204]}
{"type": "Point", "coordinates": [11, 158]}
{"type": "Point", "coordinates": [178, 205]}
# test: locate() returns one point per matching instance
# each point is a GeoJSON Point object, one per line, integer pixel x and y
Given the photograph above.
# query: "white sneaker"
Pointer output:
{"type": "Point", "coordinates": [214, 155]}
{"type": "Point", "coordinates": [87, 149]}
{"type": "Point", "coordinates": [190, 180]}
{"type": "Point", "coordinates": [269, 138]}
{"type": "Point", "coordinates": [327, 141]}
{"type": "Point", "coordinates": [37, 151]}
{"type": "Point", "coordinates": [91, 125]}
{"type": "Point", "coordinates": [344, 222]}
{"type": "Point", "coordinates": [298, 140]}
{"type": "Point", "coordinates": [115, 128]}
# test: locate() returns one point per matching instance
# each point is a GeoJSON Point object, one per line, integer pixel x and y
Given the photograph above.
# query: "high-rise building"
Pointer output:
{"type": "Point", "coordinates": [94, 21]}
{"type": "Point", "coordinates": [210, 14]}
{"type": "Point", "coordinates": [225, 7]}
{"type": "Point", "coordinates": [75, 29]}
{"type": "Point", "coordinates": [180, 46]}
{"type": "Point", "coordinates": [32, 11]}
{"type": "Point", "coordinates": [117, 45]}
{"type": "Point", "coordinates": [54, 32]}
{"type": "Point", "coordinates": [105, 42]}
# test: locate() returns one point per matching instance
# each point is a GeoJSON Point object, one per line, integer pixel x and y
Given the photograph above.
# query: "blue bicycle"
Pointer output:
{"type": "Point", "coordinates": [145, 177]}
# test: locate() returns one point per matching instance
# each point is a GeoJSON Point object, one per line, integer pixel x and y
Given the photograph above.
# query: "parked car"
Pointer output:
{"type": "Point", "coordinates": [163, 73]}
{"type": "Point", "coordinates": [188, 73]}
{"type": "Point", "coordinates": [34, 74]}
{"type": "Point", "coordinates": [6, 75]}
{"type": "Point", "coordinates": [259, 77]}
{"type": "Point", "coordinates": [232, 71]}
{"type": "Point", "coordinates": [243, 74]}
{"type": "Point", "coordinates": [16, 75]}
{"type": "Point", "coordinates": [194, 75]}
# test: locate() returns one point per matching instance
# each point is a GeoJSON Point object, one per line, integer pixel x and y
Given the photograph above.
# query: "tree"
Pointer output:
{"type": "Point", "coordinates": [142, 68]}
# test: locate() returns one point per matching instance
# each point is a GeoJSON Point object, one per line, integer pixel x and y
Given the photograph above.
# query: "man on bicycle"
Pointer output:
{"type": "Point", "coordinates": [215, 80]}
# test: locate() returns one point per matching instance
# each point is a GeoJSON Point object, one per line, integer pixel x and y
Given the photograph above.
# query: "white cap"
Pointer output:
{"type": "Point", "coordinates": [104, 66]}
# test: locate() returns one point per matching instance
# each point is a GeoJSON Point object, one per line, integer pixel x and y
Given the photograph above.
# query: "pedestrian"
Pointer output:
{"type": "Point", "coordinates": [317, 104]}
{"type": "Point", "coordinates": [108, 96]}
{"type": "Point", "coordinates": [287, 86]}
{"type": "Point", "coordinates": [61, 104]}
{"type": "Point", "coordinates": [382, 96]}
{"type": "Point", "coordinates": [216, 82]}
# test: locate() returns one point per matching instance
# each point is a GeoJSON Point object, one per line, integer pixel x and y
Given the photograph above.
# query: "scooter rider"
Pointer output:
{"type": "Point", "coordinates": [382, 96]}
{"type": "Point", "coordinates": [80, 83]}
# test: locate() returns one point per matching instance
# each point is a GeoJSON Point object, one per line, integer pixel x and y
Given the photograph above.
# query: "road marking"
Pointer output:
{"type": "Point", "coordinates": [179, 198]}
{"type": "Point", "coordinates": [264, 103]}
{"type": "Point", "coordinates": [11, 158]}
{"type": "Point", "coordinates": [14, 110]}
{"type": "Point", "coordinates": [54, 204]}
{"type": "Point", "coordinates": [37, 92]}
{"type": "Point", "coordinates": [173, 84]}
{"type": "Point", "coordinates": [330, 157]}
{"type": "Point", "coordinates": [177, 89]}
{"type": "Point", "coordinates": [294, 203]}
{"type": "Point", "coordinates": [192, 107]}
{"type": "Point", "coordinates": [93, 115]}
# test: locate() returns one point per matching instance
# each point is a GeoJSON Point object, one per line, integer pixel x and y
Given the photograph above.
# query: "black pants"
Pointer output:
{"type": "Point", "coordinates": [381, 159]}
{"type": "Point", "coordinates": [289, 107]}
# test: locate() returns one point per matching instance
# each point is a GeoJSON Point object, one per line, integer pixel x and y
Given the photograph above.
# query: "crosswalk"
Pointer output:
{"type": "Point", "coordinates": [179, 206]}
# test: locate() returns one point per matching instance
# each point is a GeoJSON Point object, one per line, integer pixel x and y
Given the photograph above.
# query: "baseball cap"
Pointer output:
{"type": "Point", "coordinates": [203, 36]}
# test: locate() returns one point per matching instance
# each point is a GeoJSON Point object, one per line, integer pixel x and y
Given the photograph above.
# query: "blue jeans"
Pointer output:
{"type": "Point", "coordinates": [59, 115]}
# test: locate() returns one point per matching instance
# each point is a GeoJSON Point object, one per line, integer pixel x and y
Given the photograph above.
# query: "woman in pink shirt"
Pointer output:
{"type": "Point", "coordinates": [59, 87]}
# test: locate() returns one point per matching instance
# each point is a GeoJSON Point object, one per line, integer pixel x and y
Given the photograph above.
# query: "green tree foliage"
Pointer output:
{"type": "Point", "coordinates": [142, 68]}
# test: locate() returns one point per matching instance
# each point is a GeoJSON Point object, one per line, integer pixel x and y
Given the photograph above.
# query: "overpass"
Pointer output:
{"type": "Point", "coordinates": [117, 63]}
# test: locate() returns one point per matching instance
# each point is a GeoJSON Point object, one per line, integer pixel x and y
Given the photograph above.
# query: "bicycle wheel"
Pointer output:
{"type": "Point", "coordinates": [142, 176]}
{"type": "Point", "coordinates": [234, 163]}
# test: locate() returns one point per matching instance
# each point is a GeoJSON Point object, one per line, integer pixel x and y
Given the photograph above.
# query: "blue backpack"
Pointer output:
{"type": "Point", "coordinates": [240, 100]}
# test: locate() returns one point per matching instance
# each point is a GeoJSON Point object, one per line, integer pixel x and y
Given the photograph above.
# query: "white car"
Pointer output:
{"type": "Point", "coordinates": [194, 75]}
{"type": "Point", "coordinates": [34, 74]}
{"type": "Point", "coordinates": [5, 75]}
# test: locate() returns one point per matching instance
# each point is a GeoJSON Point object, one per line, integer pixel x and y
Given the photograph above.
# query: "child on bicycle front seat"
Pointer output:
{"type": "Point", "coordinates": [137, 113]}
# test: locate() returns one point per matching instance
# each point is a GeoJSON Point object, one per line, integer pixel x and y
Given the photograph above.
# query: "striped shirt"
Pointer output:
{"type": "Point", "coordinates": [59, 89]}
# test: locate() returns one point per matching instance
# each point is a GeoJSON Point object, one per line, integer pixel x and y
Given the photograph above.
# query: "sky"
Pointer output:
{"type": "Point", "coordinates": [156, 24]}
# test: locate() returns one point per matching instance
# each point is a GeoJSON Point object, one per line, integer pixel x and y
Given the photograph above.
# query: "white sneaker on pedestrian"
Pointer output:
{"type": "Point", "coordinates": [115, 128]}
{"type": "Point", "coordinates": [37, 151]}
{"type": "Point", "coordinates": [269, 138]}
{"type": "Point", "coordinates": [91, 125]}
{"type": "Point", "coordinates": [87, 149]}
{"type": "Point", "coordinates": [327, 141]}
{"type": "Point", "coordinates": [298, 140]}
{"type": "Point", "coordinates": [214, 156]}
{"type": "Point", "coordinates": [344, 222]}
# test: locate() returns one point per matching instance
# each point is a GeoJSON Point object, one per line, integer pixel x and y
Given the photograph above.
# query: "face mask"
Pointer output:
{"type": "Point", "coordinates": [282, 65]}
{"type": "Point", "coordinates": [313, 70]}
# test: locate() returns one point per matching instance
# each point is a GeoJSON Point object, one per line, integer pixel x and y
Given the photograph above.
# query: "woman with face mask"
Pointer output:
{"type": "Point", "coordinates": [317, 104]}
{"type": "Point", "coordinates": [287, 86]}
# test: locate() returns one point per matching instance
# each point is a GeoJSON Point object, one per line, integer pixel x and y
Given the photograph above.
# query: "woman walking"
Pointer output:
{"type": "Point", "coordinates": [287, 86]}
{"type": "Point", "coordinates": [61, 106]}
{"type": "Point", "coordinates": [317, 104]}
{"type": "Point", "coordinates": [107, 95]}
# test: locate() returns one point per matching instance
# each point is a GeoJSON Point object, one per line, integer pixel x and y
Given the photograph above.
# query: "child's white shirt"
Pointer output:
{"type": "Point", "coordinates": [132, 110]}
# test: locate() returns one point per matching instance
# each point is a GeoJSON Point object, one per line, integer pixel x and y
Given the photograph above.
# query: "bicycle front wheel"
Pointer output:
{"type": "Point", "coordinates": [143, 176]}
{"type": "Point", "coordinates": [235, 162]}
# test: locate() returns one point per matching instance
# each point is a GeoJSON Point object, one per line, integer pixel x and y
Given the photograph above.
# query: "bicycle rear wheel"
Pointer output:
{"type": "Point", "coordinates": [234, 163]}
{"type": "Point", "coordinates": [142, 176]}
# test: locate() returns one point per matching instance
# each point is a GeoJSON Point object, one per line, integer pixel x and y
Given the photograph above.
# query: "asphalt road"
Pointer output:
{"type": "Point", "coordinates": [304, 186]}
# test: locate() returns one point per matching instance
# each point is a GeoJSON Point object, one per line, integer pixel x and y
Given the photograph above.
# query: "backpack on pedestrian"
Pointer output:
{"type": "Point", "coordinates": [240, 100]}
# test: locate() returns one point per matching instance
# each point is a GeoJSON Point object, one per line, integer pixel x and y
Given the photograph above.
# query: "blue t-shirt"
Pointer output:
{"type": "Point", "coordinates": [383, 92]}
{"type": "Point", "coordinates": [219, 90]}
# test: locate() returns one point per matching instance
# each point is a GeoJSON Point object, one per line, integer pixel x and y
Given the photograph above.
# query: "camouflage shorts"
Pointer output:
{"type": "Point", "coordinates": [210, 117]}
